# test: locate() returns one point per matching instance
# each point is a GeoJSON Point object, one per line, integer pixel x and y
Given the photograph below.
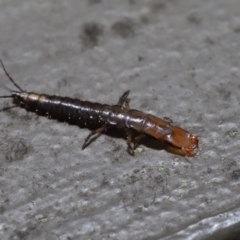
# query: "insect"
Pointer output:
{"type": "Point", "coordinates": [136, 124]}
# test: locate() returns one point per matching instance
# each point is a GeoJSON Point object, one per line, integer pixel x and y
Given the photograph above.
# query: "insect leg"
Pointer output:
{"type": "Point", "coordinates": [7, 108]}
{"type": "Point", "coordinates": [89, 138]}
{"type": "Point", "coordinates": [129, 142]}
{"type": "Point", "coordinates": [127, 103]}
{"type": "Point", "coordinates": [137, 140]}
{"type": "Point", "coordinates": [124, 100]}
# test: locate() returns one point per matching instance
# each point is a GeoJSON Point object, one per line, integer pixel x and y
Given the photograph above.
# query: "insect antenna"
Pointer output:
{"type": "Point", "coordinates": [10, 96]}
{"type": "Point", "coordinates": [11, 79]}
{"type": "Point", "coordinates": [7, 108]}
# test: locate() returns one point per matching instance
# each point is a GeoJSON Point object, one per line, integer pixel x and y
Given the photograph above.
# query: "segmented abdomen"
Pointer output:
{"type": "Point", "coordinates": [75, 111]}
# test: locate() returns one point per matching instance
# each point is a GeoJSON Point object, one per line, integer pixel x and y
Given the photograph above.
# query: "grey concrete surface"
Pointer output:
{"type": "Point", "coordinates": [180, 59]}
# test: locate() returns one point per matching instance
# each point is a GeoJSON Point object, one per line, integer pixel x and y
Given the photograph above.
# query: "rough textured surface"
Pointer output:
{"type": "Point", "coordinates": [181, 60]}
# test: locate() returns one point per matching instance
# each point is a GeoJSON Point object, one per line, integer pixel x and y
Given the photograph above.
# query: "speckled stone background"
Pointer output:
{"type": "Point", "coordinates": [180, 59]}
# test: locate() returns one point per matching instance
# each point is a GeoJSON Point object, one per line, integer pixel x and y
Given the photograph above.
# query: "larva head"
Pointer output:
{"type": "Point", "coordinates": [183, 140]}
{"type": "Point", "coordinates": [185, 151]}
{"type": "Point", "coordinates": [190, 150]}
{"type": "Point", "coordinates": [179, 140]}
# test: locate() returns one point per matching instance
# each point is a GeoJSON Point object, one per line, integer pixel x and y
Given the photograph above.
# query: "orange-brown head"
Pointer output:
{"type": "Point", "coordinates": [178, 140]}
